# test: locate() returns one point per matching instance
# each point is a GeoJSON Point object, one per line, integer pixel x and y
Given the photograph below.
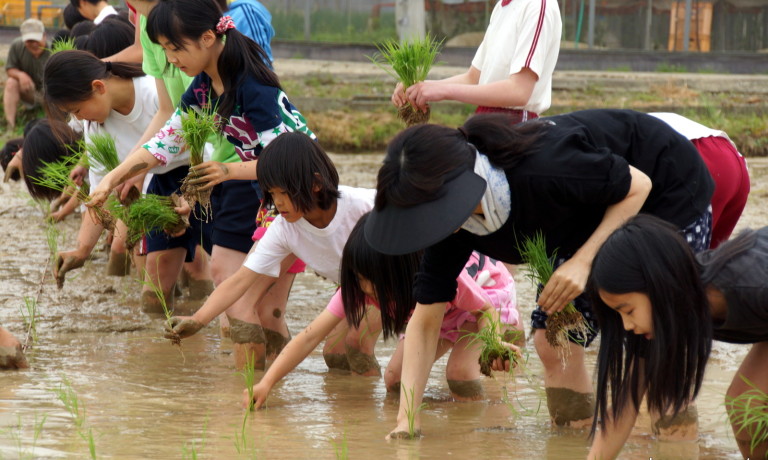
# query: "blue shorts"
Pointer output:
{"type": "Point", "coordinates": [698, 234]}
{"type": "Point", "coordinates": [235, 205]}
{"type": "Point", "coordinates": [198, 232]}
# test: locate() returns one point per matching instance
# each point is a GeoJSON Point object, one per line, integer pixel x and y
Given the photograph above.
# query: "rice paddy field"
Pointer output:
{"type": "Point", "coordinates": [102, 383]}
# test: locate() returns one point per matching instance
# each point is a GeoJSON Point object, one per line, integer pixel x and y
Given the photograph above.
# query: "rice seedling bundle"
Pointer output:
{"type": "Point", "coordinates": [491, 344]}
{"type": "Point", "coordinates": [63, 44]}
{"type": "Point", "coordinates": [409, 62]}
{"type": "Point", "coordinates": [55, 175]}
{"type": "Point", "coordinates": [197, 125]}
{"type": "Point", "coordinates": [568, 322]}
{"type": "Point", "coordinates": [150, 213]}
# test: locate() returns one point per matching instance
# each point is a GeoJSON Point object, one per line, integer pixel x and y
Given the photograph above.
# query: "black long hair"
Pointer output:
{"type": "Point", "coordinates": [419, 158]}
{"type": "Point", "coordinates": [391, 277]}
{"type": "Point", "coordinates": [7, 153]}
{"type": "Point", "coordinates": [649, 256]}
{"type": "Point", "coordinates": [110, 37]}
{"type": "Point", "coordinates": [68, 77]}
{"type": "Point", "coordinates": [180, 21]}
{"type": "Point", "coordinates": [297, 164]}
{"type": "Point", "coordinates": [48, 141]}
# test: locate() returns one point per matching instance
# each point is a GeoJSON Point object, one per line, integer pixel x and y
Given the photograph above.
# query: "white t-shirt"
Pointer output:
{"type": "Point", "coordinates": [689, 128]}
{"type": "Point", "coordinates": [320, 248]}
{"type": "Point", "coordinates": [126, 129]}
{"type": "Point", "coordinates": [524, 33]}
{"type": "Point", "coordinates": [108, 10]}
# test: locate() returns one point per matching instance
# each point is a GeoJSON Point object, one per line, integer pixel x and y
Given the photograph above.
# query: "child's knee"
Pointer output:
{"type": "Point", "coordinates": [362, 363]}
{"type": "Point", "coordinates": [570, 408]}
{"type": "Point", "coordinates": [466, 390]}
{"type": "Point", "coordinates": [682, 426]}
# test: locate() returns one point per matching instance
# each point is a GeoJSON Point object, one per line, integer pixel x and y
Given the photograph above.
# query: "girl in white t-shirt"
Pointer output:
{"type": "Point", "coordinates": [316, 217]}
{"type": "Point", "coordinates": [111, 98]}
{"type": "Point", "coordinates": [371, 278]}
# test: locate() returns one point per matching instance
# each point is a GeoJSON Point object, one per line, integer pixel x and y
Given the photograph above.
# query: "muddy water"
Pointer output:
{"type": "Point", "coordinates": [144, 398]}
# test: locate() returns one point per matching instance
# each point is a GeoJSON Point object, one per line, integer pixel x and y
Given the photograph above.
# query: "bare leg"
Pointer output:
{"type": "Point", "coordinates": [753, 368]}
{"type": "Point", "coordinates": [119, 262]}
{"type": "Point", "coordinates": [570, 399]}
{"type": "Point", "coordinates": [463, 368]}
{"type": "Point", "coordinates": [360, 343]}
{"type": "Point", "coordinates": [198, 272]}
{"type": "Point", "coordinates": [162, 270]}
{"type": "Point", "coordinates": [247, 334]}
{"type": "Point", "coordinates": [394, 368]}
{"type": "Point", "coordinates": [271, 308]}
{"type": "Point", "coordinates": [11, 97]}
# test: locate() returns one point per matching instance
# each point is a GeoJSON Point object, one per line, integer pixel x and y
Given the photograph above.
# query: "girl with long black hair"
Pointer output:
{"type": "Point", "coordinates": [659, 306]}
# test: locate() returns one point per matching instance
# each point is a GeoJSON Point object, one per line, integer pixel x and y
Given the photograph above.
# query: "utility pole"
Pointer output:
{"type": "Point", "coordinates": [410, 19]}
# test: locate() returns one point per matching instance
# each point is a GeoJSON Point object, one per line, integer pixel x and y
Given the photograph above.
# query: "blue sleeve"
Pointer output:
{"type": "Point", "coordinates": [253, 20]}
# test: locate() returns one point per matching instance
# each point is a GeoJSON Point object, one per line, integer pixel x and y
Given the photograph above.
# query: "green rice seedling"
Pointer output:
{"type": "Point", "coordinates": [341, 448]}
{"type": "Point", "coordinates": [568, 322]}
{"type": "Point", "coordinates": [249, 378]}
{"type": "Point", "coordinates": [71, 401]}
{"type": "Point", "coordinates": [409, 62]}
{"type": "Point", "coordinates": [52, 235]}
{"type": "Point", "coordinates": [29, 317]}
{"type": "Point", "coordinates": [63, 44]}
{"type": "Point", "coordinates": [102, 152]}
{"type": "Point", "coordinates": [749, 411]}
{"type": "Point", "coordinates": [153, 212]}
{"type": "Point", "coordinates": [190, 450]}
{"type": "Point", "coordinates": [491, 338]}
{"type": "Point", "coordinates": [55, 176]}
{"type": "Point", "coordinates": [197, 125]}
{"type": "Point", "coordinates": [411, 412]}
{"type": "Point", "coordinates": [15, 433]}
{"type": "Point", "coordinates": [158, 291]}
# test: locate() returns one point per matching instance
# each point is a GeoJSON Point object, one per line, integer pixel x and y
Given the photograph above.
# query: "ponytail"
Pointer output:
{"type": "Point", "coordinates": [503, 143]}
{"type": "Point", "coordinates": [181, 21]}
{"type": "Point", "coordinates": [68, 76]}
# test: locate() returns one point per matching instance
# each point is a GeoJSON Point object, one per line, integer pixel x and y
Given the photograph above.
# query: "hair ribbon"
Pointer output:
{"type": "Point", "coordinates": [225, 23]}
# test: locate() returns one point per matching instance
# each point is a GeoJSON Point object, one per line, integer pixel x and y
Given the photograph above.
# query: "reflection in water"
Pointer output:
{"type": "Point", "coordinates": [145, 398]}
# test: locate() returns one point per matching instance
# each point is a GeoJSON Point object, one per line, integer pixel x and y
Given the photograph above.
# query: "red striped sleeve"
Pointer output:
{"type": "Point", "coordinates": [539, 26]}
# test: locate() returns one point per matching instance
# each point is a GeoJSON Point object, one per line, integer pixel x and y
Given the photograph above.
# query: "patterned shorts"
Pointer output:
{"type": "Point", "coordinates": [698, 235]}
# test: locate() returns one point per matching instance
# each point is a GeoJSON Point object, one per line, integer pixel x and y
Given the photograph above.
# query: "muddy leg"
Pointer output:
{"type": "Point", "coordinates": [753, 368]}
{"type": "Point", "coordinates": [11, 356]}
{"type": "Point", "coordinates": [569, 390]}
{"type": "Point", "coordinates": [467, 390]}
{"type": "Point", "coordinates": [681, 427]}
{"type": "Point", "coordinates": [151, 303]}
{"type": "Point", "coordinates": [249, 343]}
{"type": "Point", "coordinates": [334, 350]}
{"type": "Point", "coordinates": [360, 344]}
{"type": "Point", "coordinates": [463, 368]}
{"type": "Point", "coordinates": [162, 270]}
{"type": "Point", "coordinates": [119, 264]}
{"type": "Point", "coordinates": [199, 289]}
{"type": "Point", "coordinates": [197, 275]}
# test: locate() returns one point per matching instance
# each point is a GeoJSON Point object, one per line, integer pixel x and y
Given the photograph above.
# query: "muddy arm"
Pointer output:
{"type": "Point", "coordinates": [421, 337]}
{"type": "Point", "coordinates": [294, 353]}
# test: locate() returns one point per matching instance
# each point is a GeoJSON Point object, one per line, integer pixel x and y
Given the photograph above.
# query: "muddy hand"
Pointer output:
{"type": "Point", "coordinates": [181, 327]}
{"type": "Point", "coordinates": [65, 262]}
{"type": "Point", "coordinates": [506, 365]}
{"type": "Point", "coordinates": [208, 174]}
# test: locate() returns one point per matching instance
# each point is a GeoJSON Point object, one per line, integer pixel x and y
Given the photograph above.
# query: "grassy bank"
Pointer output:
{"type": "Point", "coordinates": [356, 116]}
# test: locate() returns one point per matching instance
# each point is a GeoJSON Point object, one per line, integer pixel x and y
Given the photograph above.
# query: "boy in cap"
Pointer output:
{"type": "Point", "coordinates": [24, 66]}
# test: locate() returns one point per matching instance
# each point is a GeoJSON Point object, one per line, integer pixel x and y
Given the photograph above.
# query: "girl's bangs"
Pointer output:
{"type": "Point", "coordinates": [165, 23]}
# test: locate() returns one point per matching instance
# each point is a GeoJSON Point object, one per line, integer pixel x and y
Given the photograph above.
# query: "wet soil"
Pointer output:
{"type": "Point", "coordinates": [143, 399]}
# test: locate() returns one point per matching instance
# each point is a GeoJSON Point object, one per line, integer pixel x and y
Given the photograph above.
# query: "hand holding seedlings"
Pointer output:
{"type": "Point", "coordinates": [260, 392]}
{"type": "Point", "coordinates": [420, 94]}
{"type": "Point", "coordinates": [566, 283]}
{"type": "Point", "coordinates": [78, 174]}
{"type": "Point", "coordinates": [207, 175]}
{"type": "Point", "coordinates": [181, 327]}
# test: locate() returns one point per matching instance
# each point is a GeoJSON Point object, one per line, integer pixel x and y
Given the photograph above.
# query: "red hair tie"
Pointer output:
{"type": "Point", "coordinates": [224, 24]}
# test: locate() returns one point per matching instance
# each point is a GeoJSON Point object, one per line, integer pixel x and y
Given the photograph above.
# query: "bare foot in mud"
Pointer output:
{"type": "Point", "coordinates": [404, 435]}
{"type": "Point", "coordinates": [11, 356]}
{"type": "Point", "coordinates": [66, 261]}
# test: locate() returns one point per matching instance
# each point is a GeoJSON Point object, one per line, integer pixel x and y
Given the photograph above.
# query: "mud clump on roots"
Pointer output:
{"type": "Point", "coordinates": [413, 116]}
{"type": "Point", "coordinates": [561, 327]}
{"type": "Point", "coordinates": [486, 361]}
{"type": "Point", "coordinates": [194, 195]}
